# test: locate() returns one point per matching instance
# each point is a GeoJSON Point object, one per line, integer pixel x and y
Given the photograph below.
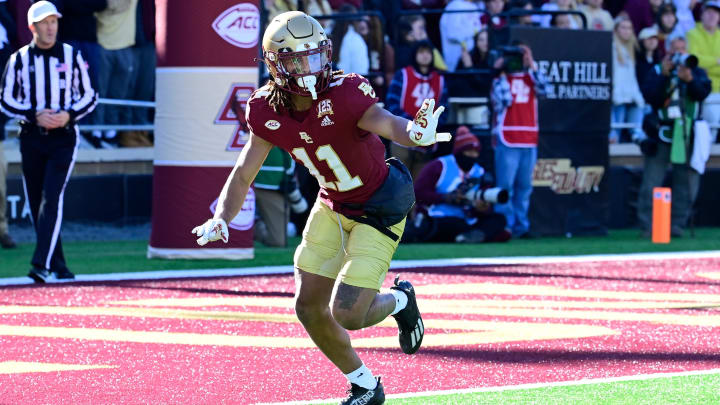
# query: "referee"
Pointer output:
{"type": "Point", "coordinates": [47, 87]}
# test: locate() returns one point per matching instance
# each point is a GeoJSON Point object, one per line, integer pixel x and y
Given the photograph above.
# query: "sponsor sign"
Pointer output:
{"type": "Point", "coordinates": [570, 195]}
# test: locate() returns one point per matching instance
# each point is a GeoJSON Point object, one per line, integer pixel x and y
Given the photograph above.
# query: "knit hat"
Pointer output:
{"type": "Point", "coordinates": [464, 139]}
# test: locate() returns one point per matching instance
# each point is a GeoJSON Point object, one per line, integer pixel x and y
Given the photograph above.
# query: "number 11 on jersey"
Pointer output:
{"type": "Point", "coordinates": [345, 182]}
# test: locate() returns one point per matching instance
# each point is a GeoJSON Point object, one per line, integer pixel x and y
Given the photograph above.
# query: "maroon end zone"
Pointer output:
{"type": "Point", "coordinates": [233, 340]}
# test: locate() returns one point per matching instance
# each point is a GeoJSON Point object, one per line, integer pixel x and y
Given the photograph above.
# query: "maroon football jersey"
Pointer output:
{"type": "Point", "coordinates": [348, 162]}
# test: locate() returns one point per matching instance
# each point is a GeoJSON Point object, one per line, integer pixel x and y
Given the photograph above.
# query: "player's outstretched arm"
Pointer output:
{"type": "Point", "coordinates": [233, 193]}
{"type": "Point", "coordinates": [420, 131]}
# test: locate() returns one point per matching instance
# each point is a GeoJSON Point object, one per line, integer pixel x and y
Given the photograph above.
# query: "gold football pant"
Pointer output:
{"type": "Point", "coordinates": [334, 245]}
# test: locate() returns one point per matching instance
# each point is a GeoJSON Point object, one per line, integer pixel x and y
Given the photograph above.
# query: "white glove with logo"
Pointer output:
{"type": "Point", "coordinates": [422, 129]}
{"type": "Point", "coordinates": [211, 230]}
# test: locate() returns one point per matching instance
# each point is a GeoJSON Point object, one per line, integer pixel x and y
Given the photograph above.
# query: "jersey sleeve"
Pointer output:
{"type": "Point", "coordinates": [253, 120]}
{"type": "Point", "coordinates": [358, 95]}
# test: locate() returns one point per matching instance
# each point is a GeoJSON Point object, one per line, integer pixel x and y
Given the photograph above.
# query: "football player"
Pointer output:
{"type": "Point", "coordinates": [327, 121]}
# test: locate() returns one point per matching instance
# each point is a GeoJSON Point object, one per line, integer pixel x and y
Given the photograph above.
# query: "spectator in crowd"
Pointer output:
{"type": "Point", "coordinates": [411, 31]}
{"type": "Point", "coordinates": [444, 211]}
{"type": "Point", "coordinates": [275, 189]}
{"type": "Point", "coordinates": [382, 55]}
{"type": "Point", "coordinates": [675, 92]}
{"type": "Point", "coordinates": [48, 130]}
{"type": "Point", "coordinates": [473, 85]}
{"type": "Point", "coordinates": [642, 13]}
{"type": "Point", "coordinates": [491, 18]}
{"type": "Point", "coordinates": [518, 6]}
{"type": "Point", "coordinates": [116, 35]}
{"type": "Point", "coordinates": [351, 52]}
{"type": "Point", "coordinates": [561, 21]}
{"type": "Point", "coordinates": [275, 7]}
{"type": "Point", "coordinates": [627, 99]}
{"type": "Point", "coordinates": [648, 53]}
{"type": "Point", "coordinates": [514, 97]}
{"type": "Point", "coordinates": [420, 4]}
{"type": "Point", "coordinates": [704, 42]}
{"type": "Point", "coordinates": [559, 5]}
{"type": "Point", "coordinates": [457, 29]}
{"type": "Point", "coordinates": [338, 4]}
{"type": "Point", "coordinates": [408, 89]}
{"type": "Point", "coordinates": [667, 27]}
{"type": "Point", "coordinates": [142, 82]}
{"type": "Point", "coordinates": [597, 17]}
{"type": "Point", "coordinates": [684, 13]}
{"type": "Point", "coordinates": [18, 10]}
{"type": "Point", "coordinates": [7, 31]}
{"type": "Point", "coordinates": [318, 7]}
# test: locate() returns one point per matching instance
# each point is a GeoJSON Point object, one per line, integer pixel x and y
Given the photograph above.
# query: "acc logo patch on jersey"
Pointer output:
{"type": "Point", "coordinates": [239, 25]}
{"type": "Point", "coordinates": [325, 108]}
{"type": "Point", "coordinates": [272, 125]}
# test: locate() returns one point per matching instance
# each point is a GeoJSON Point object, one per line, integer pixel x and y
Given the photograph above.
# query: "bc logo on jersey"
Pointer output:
{"type": "Point", "coordinates": [367, 89]}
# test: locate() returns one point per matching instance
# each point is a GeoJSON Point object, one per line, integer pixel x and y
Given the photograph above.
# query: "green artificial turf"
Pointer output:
{"type": "Point", "coordinates": [129, 256]}
{"type": "Point", "coordinates": [686, 390]}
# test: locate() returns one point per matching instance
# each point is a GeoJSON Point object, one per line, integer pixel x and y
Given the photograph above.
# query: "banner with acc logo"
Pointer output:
{"type": "Point", "coordinates": [206, 72]}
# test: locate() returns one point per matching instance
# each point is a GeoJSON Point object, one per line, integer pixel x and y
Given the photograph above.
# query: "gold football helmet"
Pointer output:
{"type": "Point", "coordinates": [298, 53]}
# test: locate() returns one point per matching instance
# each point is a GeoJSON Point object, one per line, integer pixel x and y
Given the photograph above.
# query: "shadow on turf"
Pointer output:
{"type": "Point", "coordinates": [555, 356]}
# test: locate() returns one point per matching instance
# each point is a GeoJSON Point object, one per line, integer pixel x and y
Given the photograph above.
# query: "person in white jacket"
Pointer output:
{"type": "Point", "coordinates": [627, 98]}
{"type": "Point", "coordinates": [457, 29]}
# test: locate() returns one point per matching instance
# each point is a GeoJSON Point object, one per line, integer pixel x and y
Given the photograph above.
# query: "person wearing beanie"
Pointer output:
{"type": "Point", "coordinates": [446, 211]}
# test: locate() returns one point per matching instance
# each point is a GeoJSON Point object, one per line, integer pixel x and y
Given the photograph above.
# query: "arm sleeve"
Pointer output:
{"type": "Point", "coordinates": [500, 95]}
{"type": "Point", "coordinates": [444, 102]}
{"type": "Point", "coordinates": [700, 86]}
{"type": "Point", "coordinates": [706, 58]}
{"type": "Point", "coordinates": [392, 98]}
{"type": "Point", "coordinates": [12, 101]}
{"type": "Point", "coordinates": [654, 87]}
{"type": "Point", "coordinates": [540, 81]}
{"type": "Point", "coordinates": [84, 95]}
{"type": "Point", "coordinates": [425, 193]}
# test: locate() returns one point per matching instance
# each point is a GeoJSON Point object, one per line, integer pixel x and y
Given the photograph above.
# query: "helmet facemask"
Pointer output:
{"type": "Point", "coordinates": [304, 71]}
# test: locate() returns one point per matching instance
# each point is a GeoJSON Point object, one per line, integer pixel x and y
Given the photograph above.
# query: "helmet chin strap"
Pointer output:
{"type": "Point", "coordinates": [308, 83]}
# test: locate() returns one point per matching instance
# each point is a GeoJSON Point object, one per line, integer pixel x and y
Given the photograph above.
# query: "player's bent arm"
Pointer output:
{"type": "Point", "coordinates": [382, 122]}
{"type": "Point", "coordinates": [238, 183]}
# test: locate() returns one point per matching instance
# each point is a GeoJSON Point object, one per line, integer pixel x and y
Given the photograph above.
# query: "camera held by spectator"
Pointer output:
{"type": "Point", "coordinates": [476, 192]}
{"type": "Point", "coordinates": [684, 59]}
{"type": "Point", "coordinates": [512, 58]}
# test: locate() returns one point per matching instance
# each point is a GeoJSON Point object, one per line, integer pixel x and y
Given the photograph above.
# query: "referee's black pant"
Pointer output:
{"type": "Point", "coordinates": [48, 158]}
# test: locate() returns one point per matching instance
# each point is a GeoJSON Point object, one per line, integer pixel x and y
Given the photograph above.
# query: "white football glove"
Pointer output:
{"type": "Point", "coordinates": [211, 230]}
{"type": "Point", "coordinates": [422, 129]}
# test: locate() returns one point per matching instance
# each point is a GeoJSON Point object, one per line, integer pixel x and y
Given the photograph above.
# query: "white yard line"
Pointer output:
{"type": "Point", "coordinates": [639, 377]}
{"type": "Point", "coordinates": [396, 264]}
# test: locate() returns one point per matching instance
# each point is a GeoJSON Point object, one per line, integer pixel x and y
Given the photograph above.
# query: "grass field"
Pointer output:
{"type": "Point", "coordinates": [129, 256]}
{"type": "Point", "coordinates": [689, 390]}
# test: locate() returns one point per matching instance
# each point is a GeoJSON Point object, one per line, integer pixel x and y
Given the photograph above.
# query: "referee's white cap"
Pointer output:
{"type": "Point", "coordinates": [40, 10]}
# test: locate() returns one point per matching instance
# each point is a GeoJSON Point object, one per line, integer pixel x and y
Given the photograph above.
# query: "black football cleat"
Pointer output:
{"type": "Point", "coordinates": [358, 395]}
{"type": "Point", "coordinates": [41, 276]}
{"type": "Point", "coordinates": [64, 274]}
{"type": "Point", "coordinates": [410, 325]}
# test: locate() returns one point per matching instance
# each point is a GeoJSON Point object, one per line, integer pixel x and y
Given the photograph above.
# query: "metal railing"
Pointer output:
{"type": "Point", "coordinates": [14, 127]}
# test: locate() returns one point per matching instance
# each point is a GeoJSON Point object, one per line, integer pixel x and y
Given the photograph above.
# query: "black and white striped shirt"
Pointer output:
{"type": "Point", "coordinates": [57, 79]}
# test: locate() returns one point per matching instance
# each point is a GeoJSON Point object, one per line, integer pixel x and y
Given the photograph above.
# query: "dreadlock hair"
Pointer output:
{"type": "Point", "coordinates": [280, 100]}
